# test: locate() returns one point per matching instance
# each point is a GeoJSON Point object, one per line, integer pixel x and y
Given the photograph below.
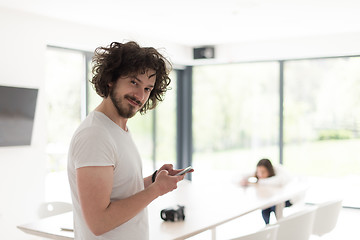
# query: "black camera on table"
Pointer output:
{"type": "Point", "coordinates": [174, 214]}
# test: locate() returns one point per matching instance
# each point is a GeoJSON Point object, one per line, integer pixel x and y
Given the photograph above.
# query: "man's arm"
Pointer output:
{"type": "Point", "coordinates": [148, 181]}
{"type": "Point", "coordinates": [95, 185]}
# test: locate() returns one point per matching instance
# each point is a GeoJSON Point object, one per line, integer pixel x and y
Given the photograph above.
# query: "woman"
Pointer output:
{"type": "Point", "coordinates": [266, 174]}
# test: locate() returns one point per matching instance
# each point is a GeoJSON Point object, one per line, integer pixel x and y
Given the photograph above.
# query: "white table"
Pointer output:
{"type": "Point", "coordinates": [205, 209]}
{"type": "Point", "coordinates": [51, 227]}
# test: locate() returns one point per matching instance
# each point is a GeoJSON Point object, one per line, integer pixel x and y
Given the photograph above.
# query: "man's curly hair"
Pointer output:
{"type": "Point", "coordinates": [126, 59]}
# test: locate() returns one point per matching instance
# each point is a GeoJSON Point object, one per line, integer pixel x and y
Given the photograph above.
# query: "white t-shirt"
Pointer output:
{"type": "Point", "coordinates": [100, 142]}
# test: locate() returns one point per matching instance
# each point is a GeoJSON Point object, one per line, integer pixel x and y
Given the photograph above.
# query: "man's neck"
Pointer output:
{"type": "Point", "coordinates": [107, 108]}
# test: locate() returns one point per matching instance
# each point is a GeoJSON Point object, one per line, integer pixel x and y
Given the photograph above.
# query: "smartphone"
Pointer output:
{"type": "Point", "coordinates": [189, 168]}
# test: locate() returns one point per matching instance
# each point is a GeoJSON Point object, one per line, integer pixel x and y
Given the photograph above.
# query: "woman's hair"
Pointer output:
{"type": "Point", "coordinates": [126, 59]}
{"type": "Point", "coordinates": [267, 164]}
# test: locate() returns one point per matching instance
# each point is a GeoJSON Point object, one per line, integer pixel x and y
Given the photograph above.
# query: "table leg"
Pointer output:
{"type": "Point", "coordinates": [279, 210]}
{"type": "Point", "coordinates": [213, 233]}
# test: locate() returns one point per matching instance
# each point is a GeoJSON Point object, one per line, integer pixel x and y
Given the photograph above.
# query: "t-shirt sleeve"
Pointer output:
{"type": "Point", "coordinates": [93, 146]}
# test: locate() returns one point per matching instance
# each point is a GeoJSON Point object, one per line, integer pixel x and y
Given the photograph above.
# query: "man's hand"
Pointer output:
{"type": "Point", "coordinates": [165, 182]}
{"type": "Point", "coordinates": [171, 170]}
{"type": "Point", "coordinates": [165, 179]}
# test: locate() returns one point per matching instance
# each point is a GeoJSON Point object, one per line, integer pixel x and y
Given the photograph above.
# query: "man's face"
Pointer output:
{"type": "Point", "coordinates": [130, 93]}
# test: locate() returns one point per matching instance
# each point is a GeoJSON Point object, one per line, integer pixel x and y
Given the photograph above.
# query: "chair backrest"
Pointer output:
{"type": "Point", "coordinates": [49, 209]}
{"type": "Point", "coordinates": [326, 217]}
{"type": "Point", "coordinates": [268, 233]}
{"type": "Point", "coordinates": [297, 226]}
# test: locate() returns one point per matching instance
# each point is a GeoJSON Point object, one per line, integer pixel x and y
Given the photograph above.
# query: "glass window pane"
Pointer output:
{"type": "Point", "coordinates": [322, 116]}
{"type": "Point", "coordinates": [235, 116]}
{"type": "Point", "coordinates": [64, 77]}
{"type": "Point", "coordinates": [141, 127]}
{"type": "Point", "coordinates": [166, 126]}
{"type": "Point", "coordinates": [322, 125]}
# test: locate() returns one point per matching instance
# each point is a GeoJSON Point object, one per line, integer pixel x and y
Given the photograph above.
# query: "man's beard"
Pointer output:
{"type": "Point", "coordinates": [123, 110]}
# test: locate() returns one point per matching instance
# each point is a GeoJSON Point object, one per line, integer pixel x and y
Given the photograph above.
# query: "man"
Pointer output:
{"type": "Point", "coordinates": [108, 190]}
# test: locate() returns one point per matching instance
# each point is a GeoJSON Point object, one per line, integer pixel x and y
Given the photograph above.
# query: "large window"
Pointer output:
{"type": "Point", "coordinates": [64, 77]}
{"type": "Point", "coordinates": [165, 140]}
{"type": "Point", "coordinates": [235, 116]}
{"type": "Point", "coordinates": [322, 116]}
{"type": "Point", "coordinates": [236, 120]}
{"type": "Point", "coordinates": [63, 87]}
{"type": "Point", "coordinates": [322, 124]}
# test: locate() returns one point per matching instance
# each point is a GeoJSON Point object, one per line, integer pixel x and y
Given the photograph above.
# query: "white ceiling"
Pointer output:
{"type": "Point", "coordinates": [206, 22]}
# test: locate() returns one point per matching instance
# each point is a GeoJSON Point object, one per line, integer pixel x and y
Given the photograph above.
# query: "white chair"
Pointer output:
{"type": "Point", "coordinates": [49, 209]}
{"type": "Point", "coordinates": [326, 217]}
{"type": "Point", "coordinates": [297, 226]}
{"type": "Point", "coordinates": [268, 233]}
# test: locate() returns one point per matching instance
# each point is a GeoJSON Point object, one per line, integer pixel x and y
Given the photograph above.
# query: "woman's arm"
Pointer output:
{"type": "Point", "coordinates": [281, 178]}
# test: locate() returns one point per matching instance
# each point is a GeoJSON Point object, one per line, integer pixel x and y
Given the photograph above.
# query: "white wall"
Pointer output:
{"type": "Point", "coordinates": [22, 169]}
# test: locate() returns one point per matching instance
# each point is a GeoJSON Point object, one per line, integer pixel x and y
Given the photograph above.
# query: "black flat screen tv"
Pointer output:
{"type": "Point", "coordinates": [17, 112]}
